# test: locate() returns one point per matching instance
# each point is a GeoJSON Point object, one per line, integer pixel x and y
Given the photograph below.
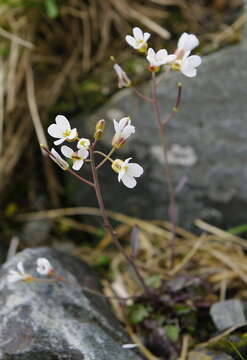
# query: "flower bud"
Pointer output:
{"type": "Point", "coordinates": [99, 129]}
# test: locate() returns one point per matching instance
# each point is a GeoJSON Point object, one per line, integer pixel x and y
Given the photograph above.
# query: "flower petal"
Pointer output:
{"type": "Point", "coordinates": [121, 174]}
{"type": "Point", "coordinates": [83, 153]}
{"type": "Point", "coordinates": [77, 164]}
{"type": "Point", "coordinates": [150, 55]}
{"type": "Point", "coordinates": [62, 122]}
{"type": "Point", "coordinates": [138, 34]}
{"type": "Point", "coordinates": [73, 134]}
{"type": "Point", "coordinates": [67, 151]}
{"type": "Point", "coordinates": [171, 58]}
{"type": "Point", "coordinates": [135, 170]}
{"type": "Point", "coordinates": [127, 131]}
{"type": "Point", "coordinates": [129, 181]}
{"type": "Point", "coordinates": [131, 41]}
{"type": "Point", "coordinates": [60, 141]}
{"type": "Point", "coordinates": [55, 131]}
{"type": "Point", "coordinates": [188, 42]}
{"type": "Point", "coordinates": [161, 54]}
{"type": "Point", "coordinates": [146, 36]}
{"type": "Point", "coordinates": [194, 60]}
{"type": "Point", "coordinates": [188, 70]}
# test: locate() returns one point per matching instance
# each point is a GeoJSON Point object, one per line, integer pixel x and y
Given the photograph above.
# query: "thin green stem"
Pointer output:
{"type": "Point", "coordinates": [106, 156]}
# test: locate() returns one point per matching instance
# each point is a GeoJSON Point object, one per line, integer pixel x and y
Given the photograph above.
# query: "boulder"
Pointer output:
{"type": "Point", "coordinates": [207, 138]}
{"type": "Point", "coordinates": [57, 319]}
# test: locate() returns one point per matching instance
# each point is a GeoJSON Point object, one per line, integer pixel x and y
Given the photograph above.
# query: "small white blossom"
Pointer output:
{"type": "Point", "coordinates": [129, 346]}
{"type": "Point", "coordinates": [123, 130]}
{"type": "Point", "coordinates": [59, 160]}
{"type": "Point", "coordinates": [139, 40]}
{"type": "Point", "coordinates": [83, 143]}
{"type": "Point", "coordinates": [127, 172]}
{"type": "Point", "coordinates": [62, 130]}
{"type": "Point", "coordinates": [161, 57]}
{"type": "Point", "coordinates": [187, 42]}
{"type": "Point", "coordinates": [184, 62]}
{"type": "Point", "coordinates": [44, 267]}
{"type": "Point", "coordinates": [15, 275]}
{"type": "Point", "coordinates": [123, 80]}
{"type": "Point", "coordinates": [189, 65]}
{"type": "Point", "coordinates": [77, 157]}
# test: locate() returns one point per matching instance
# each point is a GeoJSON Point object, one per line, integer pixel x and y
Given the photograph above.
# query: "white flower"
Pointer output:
{"type": "Point", "coordinates": [159, 58]}
{"type": "Point", "coordinates": [77, 157]}
{"type": "Point", "coordinates": [184, 62]}
{"type": "Point", "coordinates": [59, 160]}
{"type": "Point", "coordinates": [187, 42]}
{"type": "Point", "coordinates": [62, 130]}
{"type": "Point", "coordinates": [129, 346]}
{"type": "Point", "coordinates": [127, 172]}
{"type": "Point", "coordinates": [83, 143]}
{"type": "Point", "coordinates": [44, 267]}
{"type": "Point", "coordinates": [123, 80]}
{"type": "Point", "coordinates": [123, 130]}
{"type": "Point", "coordinates": [189, 65]}
{"type": "Point", "coordinates": [15, 276]}
{"type": "Point", "coordinates": [139, 40]}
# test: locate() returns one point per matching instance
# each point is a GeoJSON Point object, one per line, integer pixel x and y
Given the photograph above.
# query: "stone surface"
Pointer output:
{"type": "Point", "coordinates": [228, 313]}
{"type": "Point", "coordinates": [210, 129]}
{"type": "Point", "coordinates": [57, 320]}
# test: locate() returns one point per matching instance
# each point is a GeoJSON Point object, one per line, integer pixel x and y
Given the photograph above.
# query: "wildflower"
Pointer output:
{"type": "Point", "coordinates": [62, 130]}
{"type": "Point", "coordinates": [184, 62]}
{"type": "Point", "coordinates": [123, 80]}
{"type": "Point", "coordinates": [127, 172]}
{"type": "Point", "coordinates": [44, 267]}
{"type": "Point", "coordinates": [159, 58]}
{"type": "Point", "coordinates": [123, 130]}
{"type": "Point", "coordinates": [77, 157]}
{"type": "Point", "coordinates": [129, 346]}
{"type": "Point", "coordinates": [83, 143]}
{"type": "Point", "coordinates": [139, 40]}
{"type": "Point", "coordinates": [15, 276]}
{"type": "Point", "coordinates": [186, 43]}
{"type": "Point", "coordinates": [59, 160]}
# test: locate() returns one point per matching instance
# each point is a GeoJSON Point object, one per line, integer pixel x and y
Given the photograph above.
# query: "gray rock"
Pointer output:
{"type": "Point", "coordinates": [57, 320]}
{"type": "Point", "coordinates": [208, 355]}
{"type": "Point", "coordinates": [228, 313]}
{"type": "Point", "coordinates": [36, 232]}
{"type": "Point", "coordinates": [211, 127]}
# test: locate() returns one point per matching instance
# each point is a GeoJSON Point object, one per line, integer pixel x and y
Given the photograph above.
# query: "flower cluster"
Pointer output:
{"type": "Point", "coordinates": [61, 130]}
{"type": "Point", "coordinates": [179, 60]}
{"type": "Point", "coordinates": [43, 268]}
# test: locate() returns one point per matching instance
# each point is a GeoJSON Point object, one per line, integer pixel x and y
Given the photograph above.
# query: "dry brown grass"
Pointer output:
{"type": "Point", "coordinates": [40, 55]}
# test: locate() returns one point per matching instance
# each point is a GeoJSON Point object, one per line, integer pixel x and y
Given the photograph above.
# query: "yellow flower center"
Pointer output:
{"type": "Point", "coordinates": [66, 133]}
{"type": "Point", "coordinates": [117, 165]}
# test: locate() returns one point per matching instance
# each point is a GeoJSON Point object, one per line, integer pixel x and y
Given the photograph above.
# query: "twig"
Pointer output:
{"type": "Point", "coordinates": [107, 224]}
{"type": "Point", "coordinates": [16, 39]}
{"type": "Point", "coordinates": [106, 157]}
{"type": "Point", "coordinates": [33, 106]}
{"type": "Point", "coordinates": [1, 103]}
{"type": "Point", "coordinates": [175, 107]}
{"type": "Point", "coordinates": [141, 95]}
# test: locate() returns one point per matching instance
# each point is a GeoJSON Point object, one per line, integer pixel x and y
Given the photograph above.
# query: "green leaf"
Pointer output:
{"type": "Point", "coordinates": [238, 229]}
{"type": "Point", "coordinates": [102, 260]}
{"type": "Point", "coordinates": [138, 313]}
{"type": "Point", "coordinates": [51, 8]}
{"type": "Point", "coordinates": [154, 281]}
{"type": "Point", "coordinates": [172, 331]}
